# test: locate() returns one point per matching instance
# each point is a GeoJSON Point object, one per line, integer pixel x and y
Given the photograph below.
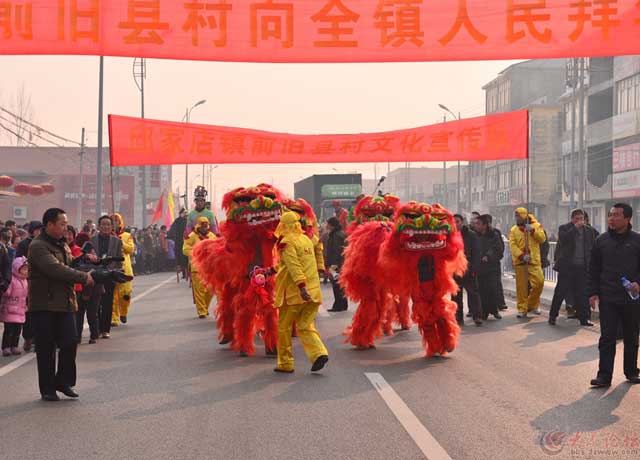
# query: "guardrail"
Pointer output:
{"type": "Point", "coordinates": [549, 273]}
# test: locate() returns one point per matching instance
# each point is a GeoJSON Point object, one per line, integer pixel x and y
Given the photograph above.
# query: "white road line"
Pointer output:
{"type": "Point", "coordinates": [4, 370]}
{"type": "Point", "coordinates": [420, 435]}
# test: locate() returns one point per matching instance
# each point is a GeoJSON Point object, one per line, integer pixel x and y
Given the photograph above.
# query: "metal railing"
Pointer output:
{"type": "Point", "coordinates": [549, 273]}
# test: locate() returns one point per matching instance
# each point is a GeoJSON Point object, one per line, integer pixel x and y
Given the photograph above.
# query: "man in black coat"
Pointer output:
{"type": "Point", "coordinates": [176, 233]}
{"type": "Point", "coordinates": [336, 243]}
{"type": "Point", "coordinates": [616, 254]}
{"type": "Point", "coordinates": [490, 252]}
{"type": "Point", "coordinates": [469, 281]}
{"type": "Point", "coordinates": [573, 253]}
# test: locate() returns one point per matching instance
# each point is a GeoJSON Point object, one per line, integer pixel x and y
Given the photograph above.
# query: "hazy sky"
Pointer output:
{"type": "Point", "coordinates": [298, 98]}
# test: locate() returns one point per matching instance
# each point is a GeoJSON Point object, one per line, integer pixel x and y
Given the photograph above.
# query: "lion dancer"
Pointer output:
{"type": "Point", "coordinates": [123, 291]}
{"type": "Point", "coordinates": [420, 258]}
{"type": "Point", "coordinates": [201, 295]}
{"type": "Point", "coordinates": [235, 266]}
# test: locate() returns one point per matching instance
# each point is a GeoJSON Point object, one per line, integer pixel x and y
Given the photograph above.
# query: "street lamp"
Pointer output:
{"type": "Point", "coordinates": [447, 109]}
{"type": "Point", "coordinates": [187, 118]}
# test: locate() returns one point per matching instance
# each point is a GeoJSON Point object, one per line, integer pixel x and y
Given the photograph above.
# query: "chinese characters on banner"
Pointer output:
{"type": "Point", "coordinates": [136, 141]}
{"type": "Point", "coordinates": [322, 30]}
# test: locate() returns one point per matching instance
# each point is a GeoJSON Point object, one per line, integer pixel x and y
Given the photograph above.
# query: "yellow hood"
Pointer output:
{"type": "Point", "coordinates": [289, 225]}
{"type": "Point", "coordinates": [202, 221]}
{"type": "Point", "coordinates": [118, 222]}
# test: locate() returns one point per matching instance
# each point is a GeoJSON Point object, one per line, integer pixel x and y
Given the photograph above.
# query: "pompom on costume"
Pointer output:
{"type": "Point", "coordinates": [360, 275]}
{"type": "Point", "coordinates": [230, 264]}
{"type": "Point", "coordinates": [420, 258]}
{"type": "Point", "coordinates": [123, 291]}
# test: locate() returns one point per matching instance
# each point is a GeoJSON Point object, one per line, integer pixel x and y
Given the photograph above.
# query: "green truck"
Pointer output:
{"type": "Point", "coordinates": [322, 190]}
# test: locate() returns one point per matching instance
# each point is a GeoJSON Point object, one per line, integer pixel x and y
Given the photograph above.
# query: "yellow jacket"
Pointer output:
{"type": "Point", "coordinates": [318, 249]}
{"type": "Point", "coordinates": [298, 266]}
{"type": "Point", "coordinates": [517, 243]}
{"type": "Point", "coordinates": [128, 248]}
{"type": "Point", "coordinates": [189, 244]}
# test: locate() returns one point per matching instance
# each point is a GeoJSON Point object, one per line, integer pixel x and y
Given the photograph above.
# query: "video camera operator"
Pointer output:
{"type": "Point", "coordinates": [52, 305]}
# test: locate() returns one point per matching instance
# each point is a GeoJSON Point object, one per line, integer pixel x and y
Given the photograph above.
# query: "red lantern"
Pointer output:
{"type": "Point", "coordinates": [48, 188]}
{"type": "Point", "coordinates": [36, 190]}
{"type": "Point", "coordinates": [22, 189]}
{"type": "Point", "coordinates": [5, 182]}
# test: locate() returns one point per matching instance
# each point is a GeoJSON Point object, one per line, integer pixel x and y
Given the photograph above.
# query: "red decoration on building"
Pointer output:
{"type": "Point", "coordinates": [48, 188]}
{"type": "Point", "coordinates": [5, 182]}
{"type": "Point", "coordinates": [36, 190]}
{"type": "Point", "coordinates": [22, 189]}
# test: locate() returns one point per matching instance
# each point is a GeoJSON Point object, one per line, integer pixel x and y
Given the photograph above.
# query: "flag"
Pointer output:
{"type": "Point", "coordinates": [170, 209]}
{"type": "Point", "coordinates": [158, 214]}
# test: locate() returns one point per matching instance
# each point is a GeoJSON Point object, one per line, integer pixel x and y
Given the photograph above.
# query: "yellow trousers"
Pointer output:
{"type": "Point", "coordinates": [121, 301]}
{"type": "Point", "coordinates": [303, 316]}
{"type": "Point", "coordinates": [201, 295]}
{"type": "Point", "coordinates": [529, 275]}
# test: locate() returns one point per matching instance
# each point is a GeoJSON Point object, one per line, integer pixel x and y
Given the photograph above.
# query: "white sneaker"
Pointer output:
{"type": "Point", "coordinates": [522, 315]}
{"type": "Point", "coordinates": [537, 312]}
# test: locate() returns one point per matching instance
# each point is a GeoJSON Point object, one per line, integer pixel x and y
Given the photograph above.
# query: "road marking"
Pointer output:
{"type": "Point", "coordinates": [4, 370]}
{"type": "Point", "coordinates": [431, 449]}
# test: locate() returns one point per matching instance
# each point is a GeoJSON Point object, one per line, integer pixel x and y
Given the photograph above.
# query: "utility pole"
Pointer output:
{"type": "Point", "coordinates": [572, 80]}
{"type": "Point", "coordinates": [444, 172]}
{"type": "Point", "coordinates": [458, 184]}
{"type": "Point", "coordinates": [581, 140]}
{"type": "Point", "coordinates": [139, 75]}
{"type": "Point", "coordinates": [79, 209]}
{"type": "Point", "coordinates": [99, 159]}
{"type": "Point", "coordinates": [186, 173]}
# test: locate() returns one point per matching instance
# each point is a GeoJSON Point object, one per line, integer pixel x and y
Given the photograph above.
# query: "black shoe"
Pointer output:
{"type": "Point", "coordinates": [337, 309]}
{"type": "Point", "coordinates": [552, 321]}
{"type": "Point", "coordinates": [92, 341]}
{"type": "Point", "coordinates": [284, 371]}
{"type": "Point", "coordinates": [273, 352]}
{"type": "Point", "coordinates": [503, 308]}
{"type": "Point", "coordinates": [469, 315]}
{"type": "Point", "coordinates": [478, 322]}
{"type": "Point", "coordinates": [123, 319]}
{"type": "Point", "coordinates": [202, 316]}
{"type": "Point", "coordinates": [319, 363]}
{"type": "Point", "coordinates": [600, 382]}
{"type": "Point", "coordinates": [497, 316]}
{"type": "Point", "coordinates": [224, 341]}
{"type": "Point", "coordinates": [67, 391]}
{"type": "Point", "coordinates": [586, 323]}
{"type": "Point", "coordinates": [633, 379]}
{"type": "Point", "coordinates": [51, 397]}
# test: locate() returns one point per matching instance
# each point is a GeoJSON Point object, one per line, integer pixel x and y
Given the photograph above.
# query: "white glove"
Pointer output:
{"type": "Point", "coordinates": [528, 227]}
{"type": "Point", "coordinates": [526, 258]}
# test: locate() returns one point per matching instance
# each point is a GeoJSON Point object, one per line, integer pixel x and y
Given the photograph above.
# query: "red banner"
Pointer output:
{"type": "Point", "coordinates": [322, 30]}
{"type": "Point", "coordinates": [136, 141]}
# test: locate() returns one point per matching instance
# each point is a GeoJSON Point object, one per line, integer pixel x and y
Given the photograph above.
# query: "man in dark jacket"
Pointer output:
{"type": "Point", "coordinates": [469, 281]}
{"type": "Point", "coordinates": [336, 243]}
{"type": "Point", "coordinates": [176, 233]}
{"type": "Point", "coordinates": [107, 244]}
{"type": "Point", "coordinates": [616, 254]}
{"type": "Point", "coordinates": [52, 304]}
{"type": "Point", "coordinates": [573, 253]}
{"type": "Point", "coordinates": [490, 253]}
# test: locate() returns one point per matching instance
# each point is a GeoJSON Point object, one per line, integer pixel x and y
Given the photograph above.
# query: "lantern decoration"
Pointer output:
{"type": "Point", "coordinates": [36, 190]}
{"type": "Point", "coordinates": [5, 182]}
{"type": "Point", "coordinates": [47, 188]}
{"type": "Point", "coordinates": [22, 189]}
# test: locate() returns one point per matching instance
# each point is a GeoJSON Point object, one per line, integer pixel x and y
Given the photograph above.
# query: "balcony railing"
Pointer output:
{"type": "Point", "coordinates": [549, 273]}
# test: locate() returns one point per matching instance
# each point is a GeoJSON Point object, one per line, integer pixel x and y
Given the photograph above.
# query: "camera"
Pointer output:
{"type": "Point", "coordinates": [98, 269]}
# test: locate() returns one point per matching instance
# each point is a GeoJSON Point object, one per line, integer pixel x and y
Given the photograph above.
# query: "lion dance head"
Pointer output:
{"type": "Point", "coordinates": [257, 208]}
{"type": "Point", "coordinates": [308, 219]}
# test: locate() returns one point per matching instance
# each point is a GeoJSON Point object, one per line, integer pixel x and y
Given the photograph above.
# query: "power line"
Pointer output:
{"type": "Point", "coordinates": [14, 123]}
{"type": "Point", "coordinates": [17, 117]}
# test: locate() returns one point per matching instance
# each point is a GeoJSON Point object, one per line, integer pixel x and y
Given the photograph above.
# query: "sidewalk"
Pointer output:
{"type": "Point", "coordinates": [509, 285]}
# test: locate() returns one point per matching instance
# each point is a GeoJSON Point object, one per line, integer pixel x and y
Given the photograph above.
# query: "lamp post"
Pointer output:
{"type": "Point", "coordinates": [187, 118]}
{"type": "Point", "coordinates": [446, 109]}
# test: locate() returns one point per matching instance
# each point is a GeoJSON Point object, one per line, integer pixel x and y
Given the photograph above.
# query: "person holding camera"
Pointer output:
{"type": "Point", "coordinates": [52, 306]}
{"type": "Point", "coordinates": [106, 244]}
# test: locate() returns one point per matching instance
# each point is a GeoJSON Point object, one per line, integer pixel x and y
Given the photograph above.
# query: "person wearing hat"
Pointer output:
{"type": "Point", "coordinates": [298, 295]}
{"type": "Point", "coordinates": [201, 295]}
{"type": "Point", "coordinates": [200, 200]}
{"type": "Point", "coordinates": [123, 291]}
{"type": "Point", "coordinates": [34, 228]}
{"type": "Point", "coordinates": [525, 239]}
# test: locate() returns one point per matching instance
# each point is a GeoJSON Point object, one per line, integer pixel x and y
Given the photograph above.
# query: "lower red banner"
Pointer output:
{"type": "Point", "coordinates": [137, 142]}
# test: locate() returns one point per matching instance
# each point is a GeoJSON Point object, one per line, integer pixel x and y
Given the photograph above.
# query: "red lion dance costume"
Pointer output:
{"type": "Point", "coordinates": [360, 277]}
{"type": "Point", "coordinates": [420, 258]}
{"type": "Point", "coordinates": [235, 266]}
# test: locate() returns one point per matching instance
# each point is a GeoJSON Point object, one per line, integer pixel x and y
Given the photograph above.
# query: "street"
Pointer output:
{"type": "Point", "coordinates": [163, 388]}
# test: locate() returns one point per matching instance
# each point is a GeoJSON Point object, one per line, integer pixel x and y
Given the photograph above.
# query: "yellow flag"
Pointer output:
{"type": "Point", "coordinates": [171, 205]}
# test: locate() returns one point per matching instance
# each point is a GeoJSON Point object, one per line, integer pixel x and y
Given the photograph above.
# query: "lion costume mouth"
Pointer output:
{"type": "Point", "coordinates": [261, 217]}
{"type": "Point", "coordinates": [422, 227]}
{"type": "Point", "coordinates": [422, 240]}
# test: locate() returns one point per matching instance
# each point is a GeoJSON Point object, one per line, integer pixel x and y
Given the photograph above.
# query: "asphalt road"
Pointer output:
{"type": "Point", "coordinates": [162, 388]}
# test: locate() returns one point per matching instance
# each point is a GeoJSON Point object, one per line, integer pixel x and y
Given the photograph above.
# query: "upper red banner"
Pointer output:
{"type": "Point", "coordinates": [136, 142]}
{"type": "Point", "coordinates": [322, 30]}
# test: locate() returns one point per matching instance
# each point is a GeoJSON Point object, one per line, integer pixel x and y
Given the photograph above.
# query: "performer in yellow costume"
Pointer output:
{"type": "Point", "coordinates": [525, 239]}
{"type": "Point", "coordinates": [201, 295]}
{"type": "Point", "coordinates": [123, 291]}
{"type": "Point", "coordinates": [297, 294]}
